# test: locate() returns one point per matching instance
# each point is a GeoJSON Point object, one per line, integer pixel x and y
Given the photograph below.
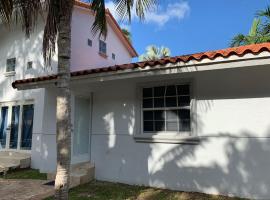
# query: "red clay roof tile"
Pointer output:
{"type": "Point", "coordinates": [224, 53]}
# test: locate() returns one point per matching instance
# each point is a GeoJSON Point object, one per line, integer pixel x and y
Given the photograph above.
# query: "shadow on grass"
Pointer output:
{"type": "Point", "coordinates": [24, 174]}
{"type": "Point", "coordinates": [98, 190]}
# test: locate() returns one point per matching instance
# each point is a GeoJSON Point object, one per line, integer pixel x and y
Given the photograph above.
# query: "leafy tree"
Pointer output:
{"type": "Point", "coordinates": [153, 53]}
{"type": "Point", "coordinates": [57, 32]}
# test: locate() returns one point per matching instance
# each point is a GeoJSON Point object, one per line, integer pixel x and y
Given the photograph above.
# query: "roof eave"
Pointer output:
{"type": "Point", "coordinates": [170, 68]}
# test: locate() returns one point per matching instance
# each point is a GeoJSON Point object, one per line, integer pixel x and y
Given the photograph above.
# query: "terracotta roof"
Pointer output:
{"type": "Point", "coordinates": [224, 53]}
{"type": "Point", "coordinates": [114, 25]}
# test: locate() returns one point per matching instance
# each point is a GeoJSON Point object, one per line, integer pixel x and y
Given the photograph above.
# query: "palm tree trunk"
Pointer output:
{"type": "Point", "coordinates": [63, 107]}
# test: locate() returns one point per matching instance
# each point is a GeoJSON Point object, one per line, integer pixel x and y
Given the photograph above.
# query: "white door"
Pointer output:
{"type": "Point", "coordinates": [81, 132]}
{"type": "Point", "coordinates": [16, 126]}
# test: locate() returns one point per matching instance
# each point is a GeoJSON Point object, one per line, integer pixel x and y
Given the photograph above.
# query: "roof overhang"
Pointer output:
{"type": "Point", "coordinates": [245, 56]}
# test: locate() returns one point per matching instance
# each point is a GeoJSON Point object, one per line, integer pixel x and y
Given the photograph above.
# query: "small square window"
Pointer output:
{"type": "Point", "coordinates": [89, 42]}
{"type": "Point", "coordinates": [11, 64]}
{"type": "Point", "coordinates": [30, 65]}
{"type": "Point", "coordinates": [102, 47]}
{"type": "Point", "coordinates": [113, 56]}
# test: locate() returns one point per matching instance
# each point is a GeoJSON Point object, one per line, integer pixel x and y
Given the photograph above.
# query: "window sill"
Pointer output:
{"type": "Point", "coordinates": [165, 138]}
{"type": "Point", "coordinates": [10, 73]}
{"type": "Point", "coordinates": [103, 55]}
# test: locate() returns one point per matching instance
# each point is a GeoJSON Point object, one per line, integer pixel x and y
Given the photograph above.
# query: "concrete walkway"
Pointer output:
{"type": "Point", "coordinates": [24, 189]}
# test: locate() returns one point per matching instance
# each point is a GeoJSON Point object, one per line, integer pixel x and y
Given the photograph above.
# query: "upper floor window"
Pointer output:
{"type": "Point", "coordinates": [30, 65]}
{"type": "Point", "coordinates": [113, 56]}
{"type": "Point", "coordinates": [11, 64]}
{"type": "Point", "coordinates": [89, 42]}
{"type": "Point", "coordinates": [166, 109]}
{"type": "Point", "coordinates": [102, 47]}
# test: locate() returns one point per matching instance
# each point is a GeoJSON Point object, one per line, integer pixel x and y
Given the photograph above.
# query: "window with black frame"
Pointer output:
{"type": "Point", "coordinates": [166, 109]}
{"type": "Point", "coordinates": [11, 64]}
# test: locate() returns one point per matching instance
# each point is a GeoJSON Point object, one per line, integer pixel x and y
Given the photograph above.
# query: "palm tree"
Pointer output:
{"type": "Point", "coordinates": [153, 53]}
{"type": "Point", "coordinates": [57, 31]}
{"type": "Point", "coordinates": [127, 33]}
{"type": "Point", "coordinates": [255, 35]}
{"type": "Point", "coordinates": [265, 14]}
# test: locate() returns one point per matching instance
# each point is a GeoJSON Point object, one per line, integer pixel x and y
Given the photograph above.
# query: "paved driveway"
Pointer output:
{"type": "Point", "coordinates": [24, 189]}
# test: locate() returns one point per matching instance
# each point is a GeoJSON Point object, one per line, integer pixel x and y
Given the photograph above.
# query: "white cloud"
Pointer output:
{"type": "Point", "coordinates": [161, 15]}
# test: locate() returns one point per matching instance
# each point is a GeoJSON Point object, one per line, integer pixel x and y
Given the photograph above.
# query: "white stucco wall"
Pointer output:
{"type": "Point", "coordinates": [233, 156]}
{"type": "Point", "coordinates": [15, 45]}
{"type": "Point", "coordinates": [84, 56]}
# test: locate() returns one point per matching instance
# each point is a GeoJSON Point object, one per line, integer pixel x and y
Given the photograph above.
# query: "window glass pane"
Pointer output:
{"type": "Point", "coordinates": [29, 65]}
{"type": "Point", "coordinates": [172, 126]}
{"type": "Point", "coordinates": [184, 125]}
{"type": "Point", "coordinates": [102, 47]}
{"type": "Point", "coordinates": [11, 65]}
{"type": "Point", "coordinates": [184, 113]}
{"type": "Point", "coordinates": [81, 126]}
{"type": "Point", "coordinates": [183, 100]}
{"type": "Point", "coordinates": [171, 115]}
{"type": "Point", "coordinates": [183, 89]}
{"type": "Point", "coordinates": [14, 127]}
{"type": "Point", "coordinates": [148, 126]}
{"type": "Point", "coordinates": [171, 102]}
{"type": "Point", "coordinates": [171, 90]}
{"type": "Point", "coordinates": [159, 115]}
{"type": "Point", "coordinates": [89, 42]}
{"type": "Point", "coordinates": [27, 126]}
{"type": "Point", "coordinates": [159, 125]}
{"type": "Point", "coordinates": [147, 92]}
{"type": "Point", "coordinates": [148, 115]}
{"type": "Point", "coordinates": [3, 127]}
{"type": "Point", "coordinates": [159, 91]}
{"type": "Point", "coordinates": [168, 116]}
{"type": "Point", "coordinates": [158, 102]}
{"type": "Point", "coordinates": [148, 103]}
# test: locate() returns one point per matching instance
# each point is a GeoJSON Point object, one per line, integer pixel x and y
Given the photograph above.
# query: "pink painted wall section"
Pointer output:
{"type": "Point", "coordinates": [84, 56]}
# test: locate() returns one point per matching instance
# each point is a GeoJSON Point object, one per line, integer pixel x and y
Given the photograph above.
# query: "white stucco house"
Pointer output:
{"type": "Point", "coordinates": [22, 125]}
{"type": "Point", "coordinates": [197, 122]}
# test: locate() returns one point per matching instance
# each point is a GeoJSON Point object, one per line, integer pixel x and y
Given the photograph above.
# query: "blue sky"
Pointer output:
{"type": "Point", "coordinates": [190, 26]}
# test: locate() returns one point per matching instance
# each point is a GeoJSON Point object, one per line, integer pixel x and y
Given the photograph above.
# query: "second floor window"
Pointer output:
{"type": "Point", "coordinates": [30, 65]}
{"type": "Point", "coordinates": [11, 64]}
{"type": "Point", "coordinates": [102, 47]}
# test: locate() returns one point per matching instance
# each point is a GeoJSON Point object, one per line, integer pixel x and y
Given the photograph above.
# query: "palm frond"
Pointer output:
{"type": "Point", "coordinates": [50, 30]}
{"type": "Point", "coordinates": [238, 40]}
{"type": "Point", "coordinates": [100, 24]}
{"type": "Point", "coordinates": [254, 30]}
{"type": "Point", "coordinates": [164, 52]}
{"type": "Point", "coordinates": [153, 53]}
{"type": "Point", "coordinates": [124, 11]}
{"type": "Point", "coordinates": [26, 13]}
{"type": "Point", "coordinates": [6, 9]}
{"type": "Point", "coordinates": [264, 13]}
{"type": "Point", "coordinates": [143, 6]}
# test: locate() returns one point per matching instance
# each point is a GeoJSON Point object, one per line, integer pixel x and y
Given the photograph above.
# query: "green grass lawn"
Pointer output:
{"type": "Point", "coordinates": [24, 174]}
{"type": "Point", "coordinates": [97, 190]}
